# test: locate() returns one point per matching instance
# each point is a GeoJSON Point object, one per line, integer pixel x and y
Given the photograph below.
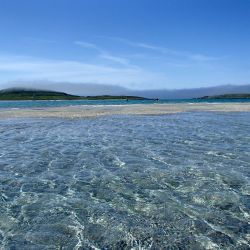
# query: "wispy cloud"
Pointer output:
{"type": "Point", "coordinates": [203, 58]}
{"type": "Point", "coordinates": [102, 53]}
{"type": "Point", "coordinates": [187, 55]}
{"type": "Point", "coordinates": [28, 68]}
{"type": "Point", "coordinates": [116, 59]}
{"type": "Point", "coordinates": [88, 45]}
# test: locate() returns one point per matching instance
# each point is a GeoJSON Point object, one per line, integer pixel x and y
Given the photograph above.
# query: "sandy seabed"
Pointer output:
{"type": "Point", "coordinates": [132, 109]}
{"type": "Point", "coordinates": [178, 181]}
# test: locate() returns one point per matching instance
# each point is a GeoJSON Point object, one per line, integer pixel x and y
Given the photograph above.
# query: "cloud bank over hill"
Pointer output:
{"type": "Point", "coordinates": [88, 89]}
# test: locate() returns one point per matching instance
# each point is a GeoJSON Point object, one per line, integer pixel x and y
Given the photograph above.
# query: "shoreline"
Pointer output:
{"type": "Point", "coordinates": [84, 111]}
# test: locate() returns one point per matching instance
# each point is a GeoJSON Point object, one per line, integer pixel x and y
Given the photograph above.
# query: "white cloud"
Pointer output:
{"type": "Point", "coordinates": [115, 59]}
{"type": "Point", "coordinates": [88, 45]}
{"type": "Point", "coordinates": [27, 68]}
{"type": "Point", "coordinates": [177, 54]}
{"type": "Point", "coordinates": [203, 58]}
{"type": "Point", "coordinates": [104, 53]}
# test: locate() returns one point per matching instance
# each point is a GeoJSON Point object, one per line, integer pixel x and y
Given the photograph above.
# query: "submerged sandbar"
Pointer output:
{"type": "Point", "coordinates": [82, 111]}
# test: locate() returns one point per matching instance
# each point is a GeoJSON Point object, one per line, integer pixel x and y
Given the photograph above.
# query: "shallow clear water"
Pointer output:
{"type": "Point", "coordinates": [120, 182]}
{"type": "Point", "coordinates": [41, 104]}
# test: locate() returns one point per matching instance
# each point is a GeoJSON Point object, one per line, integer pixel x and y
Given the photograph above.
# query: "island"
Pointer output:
{"type": "Point", "coordinates": [17, 94]}
{"type": "Point", "coordinates": [227, 96]}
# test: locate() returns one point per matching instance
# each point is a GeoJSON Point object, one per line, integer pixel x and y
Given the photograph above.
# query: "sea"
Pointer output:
{"type": "Point", "coordinates": [176, 181]}
{"type": "Point", "coordinates": [62, 103]}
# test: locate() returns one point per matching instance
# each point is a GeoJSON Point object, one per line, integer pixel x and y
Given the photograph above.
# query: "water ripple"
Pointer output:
{"type": "Point", "coordinates": [143, 182]}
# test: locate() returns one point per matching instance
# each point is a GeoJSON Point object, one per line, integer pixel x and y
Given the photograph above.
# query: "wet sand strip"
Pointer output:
{"type": "Point", "coordinates": [132, 109]}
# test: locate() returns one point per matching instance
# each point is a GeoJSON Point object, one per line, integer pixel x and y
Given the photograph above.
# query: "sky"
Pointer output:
{"type": "Point", "coordinates": [135, 44]}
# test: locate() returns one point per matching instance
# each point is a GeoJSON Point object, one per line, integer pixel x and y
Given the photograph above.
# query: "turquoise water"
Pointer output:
{"type": "Point", "coordinates": [178, 181]}
{"type": "Point", "coordinates": [37, 104]}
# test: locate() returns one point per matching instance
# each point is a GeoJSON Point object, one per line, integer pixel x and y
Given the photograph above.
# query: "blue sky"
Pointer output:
{"type": "Point", "coordinates": [138, 44]}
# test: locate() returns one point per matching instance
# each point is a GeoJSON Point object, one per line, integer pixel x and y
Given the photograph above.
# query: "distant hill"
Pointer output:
{"type": "Point", "coordinates": [227, 96]}
{"type": "Point", "coordinates": [194, 92]}
{"type": "Point", "coordinates": [92, 89]}
{"type": "Point", "coordinates": [31, 94]}
{"type": "Point", "coordinates": [15, 94]}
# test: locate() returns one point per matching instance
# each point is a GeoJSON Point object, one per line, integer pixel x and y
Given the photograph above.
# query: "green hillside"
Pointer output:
{"type": "Point", "coordinates": [26, 94]}
{"type": "Point", "coordinates": [227, 96]}
{"type": "Point", "coordinates": [19, 94]}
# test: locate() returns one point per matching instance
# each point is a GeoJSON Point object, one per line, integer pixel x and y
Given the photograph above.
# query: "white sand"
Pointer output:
{"type": "Point", "coordinates": [137, 109]}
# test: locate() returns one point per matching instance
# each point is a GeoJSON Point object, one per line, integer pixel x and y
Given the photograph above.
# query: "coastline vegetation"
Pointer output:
{"type": "Point", "coordinates": [227, 96]}
{"type": "Point", "coordinates": [27, 94]}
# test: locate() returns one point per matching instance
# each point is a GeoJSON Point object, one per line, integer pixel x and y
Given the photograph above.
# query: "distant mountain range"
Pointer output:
{"type": "Point", "coordinates": [88, 89]}
{"type": "Point", "coordinates": [195, 92]}
{"type": "Point", "coordinates": [33, 94]}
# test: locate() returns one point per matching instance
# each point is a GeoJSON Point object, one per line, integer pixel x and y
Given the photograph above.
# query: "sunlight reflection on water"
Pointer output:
{"type": "Point", "coordinates": [177, 181]}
